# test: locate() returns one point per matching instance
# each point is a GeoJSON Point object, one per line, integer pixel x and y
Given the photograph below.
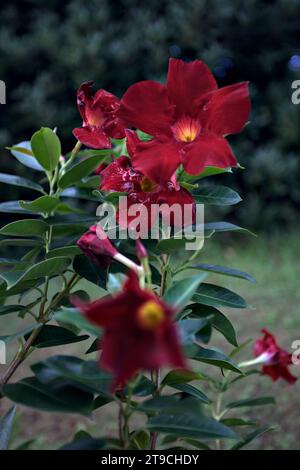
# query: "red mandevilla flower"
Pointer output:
{"type": "Point", "coordinates": [121, 176]}
{"type": "Point", "coordinates": [139, 332]}
{"type": "Point", "coordinates": [96, 245]}
{"type": "Point", "coordinates": [277, 359]}
{"type": "Point", "coordinates": [99, 117]}
{"type": "Point", "coordinates": [188, 118]}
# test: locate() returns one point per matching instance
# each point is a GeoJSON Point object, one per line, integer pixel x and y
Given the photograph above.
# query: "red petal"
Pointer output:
{"type": "Point", "coordinates": [187, 83]}
{"type": "Point", "coordinates": [156, 159]}
{"type": "Point", "coordinates": [115, 177]}
{"type": "Point", "coordinates": [227, 110]}
{"type": "Point", "coordinates": [208, 150]}
{"type": "Point", "coordinates": [92, 137]}
{"type": "Point", "coordinates": [131, 142]}
{"type": "Point", "coordinates": [145, 105]}
{"type": "Point", "coordinates": [181, 197]}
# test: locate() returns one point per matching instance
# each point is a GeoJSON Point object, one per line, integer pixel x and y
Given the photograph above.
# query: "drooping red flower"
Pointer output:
{"type": "Point", "coordinates": [277, 361]}
{"type": "Point", "coordinates": [189, 118]}
{"type": "Point", "coordinates": [121, 176]}
{"type": "Point", "coordinates": [96, 245]}
{"type": "Point", "coordinates": [139, 332]}
{"type": "Point", "coordinates": [100, 121]}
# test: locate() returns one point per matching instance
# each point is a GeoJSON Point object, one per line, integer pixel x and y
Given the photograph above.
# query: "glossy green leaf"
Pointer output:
{"type": "Point", "coordinates": [23, 153]}
{"type": "Point", "coordinates": [219, 321]}
{"type": "Point", "coordinates": [19, 181]}
{"type": "Point", "coordinates": [48, 267]}
{"type": "Point", "coordinates": [51, 335]}
{"type": "Point", "coordinates": [79, 171]}
{"type": "Point", "coordinates": [225, 227]}
{"type": "Point", "coordinates": [69, 251]}
{"type": "Point", "coordinates": [216, 296]}
{"type": "Point", "coordinates": [189, 425]}
{"type": "Point", "coordinates": [12, 207]}
{"type": "Point", "coordinates": [237, 422]}
{"type": "Point", "coordinates": [250, 437]}
{"type": "Point", "coordinates": [6, 309]}
{"type": "Point", "coordinates": [211, 356]}
{"type": "Point", "coordinates": [192, 391]}
{"type": "Point", "coordinates": [21, 242]}
{"type": "Point", "coordinates": [72, 316]}
{"type": "Point", "coordinates": [62, 369]}
{"type": "Point", "coordinates": [65, 399]}
{"type": "Point", "coordinates": [43, 204]}
{"type": "Point", "coordinates": [46, 148]}
{"type": "Point", "coordinates": [181, 292]}
{"type": "Point", "coordinates": [6, 424]}
{"type": "Point", "coordinates": [219, 195]}
{"type": "Point", "coordinates": [261, 401]}
{"type": "Point", "coordinates": [189, 329]}
{"type": "Point", "coordinates": [84, 443]}
{"type": "Point", "coordinates": [179, 376]}
{"type": "Point", "coordinates": [208, 171]}
{"type": "Point", "coordinates": [214, 268]}
{"type": "Point", "coordinates": [25, 228]}
{"type": "Point", "coordinates": [8, 338]}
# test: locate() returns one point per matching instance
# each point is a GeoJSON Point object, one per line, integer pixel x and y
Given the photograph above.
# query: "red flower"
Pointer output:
{"type": "Point", "coordinates": [188, 118]}
{"type": "Point", "coordinates": [139, 332]}
{"type": "Point", "coordinates": [96, 245]}
{"type": "Point", "coordinates": [99, 117]}
{"type": "Point", "coordinates": [121, 176]}
{"type": "Point", "coordinates": [277, 359]}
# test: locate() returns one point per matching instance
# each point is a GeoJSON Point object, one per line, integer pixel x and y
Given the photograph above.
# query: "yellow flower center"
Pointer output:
{"type": "Point", "coordinates": [147, 186]}
{"type": "Point", "coordinates": [186, 129]}
{"type": "Point", "coordinates": [150, 314]}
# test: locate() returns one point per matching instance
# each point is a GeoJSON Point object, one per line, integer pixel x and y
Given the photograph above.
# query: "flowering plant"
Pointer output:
{"type": "Point", "coordinates": [140, 302]}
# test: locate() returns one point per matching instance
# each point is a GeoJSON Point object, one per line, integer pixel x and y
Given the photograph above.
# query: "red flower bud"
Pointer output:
{"type": "Point", "coordinates": [96, 245]}
{"type": "Point", "coordinates": [140, 250]}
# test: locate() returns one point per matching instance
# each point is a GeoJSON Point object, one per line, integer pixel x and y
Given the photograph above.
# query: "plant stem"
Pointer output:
{"type": "Point", "coordinates": [154, 435]}
{"type": "Point", "coordinates": [74, 152]}
{"type": "Point", "coordinates": [43, 317]}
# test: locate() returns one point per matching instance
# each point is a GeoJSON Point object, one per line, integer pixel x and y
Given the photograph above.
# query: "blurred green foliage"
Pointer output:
{"type": "Point", "coordinates": [48, 48]}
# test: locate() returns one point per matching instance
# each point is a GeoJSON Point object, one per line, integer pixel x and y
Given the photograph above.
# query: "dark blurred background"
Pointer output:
{"type": "Point", "coordinates": [48, 48]}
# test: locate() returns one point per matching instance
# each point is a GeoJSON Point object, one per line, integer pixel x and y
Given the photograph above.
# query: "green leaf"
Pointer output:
{"type": "Point", "coordinates": [209, 171]}
{"type": "Point", "coordinates": [6, 309]}
{"type": "Point", "coordinates": [8, 261]}
{"type": "Point", "coordinates": [219, 321]}
{"type": "Point", "coordinates": [176, 377]}
{"type": "Point", "coordinates": [189, 329]}
{"type": "Point", "coordinates": [19, 181]}
{"type": "Point", "coordinates": [23, 153]}
{"type": "Point", "coordinates": [193, 391]}
{"type": "Point", "coordinates": [20, 242]}
{"type": "Point", "coordinates": [79, 171]}
{"type": "Point", "coordinates": [69, 251]}
{"type": "Point", "coordinates": [188, 425]}
{"type": "Point", "coordinates": [261, 401]}
{"type": "Point", "coordinates": [12, 207]}
{"type": "Point", "coordinates": [72, 316]}
{"type": "Point", "coordinates": [83, 266]}
{"type": "Point", "coordinates": [211, 356]}
{"type": "Point", "coordinates": [225, 227]}
{"type": "Point", "coordinates": [6, 424]}
{"type": "Point", "coordinates": [216, 296]}
{"type": "Point", "coordinates": [214, 268]}
{"type": "Point", "coordinates": [182, 291]}
{"type": "Point", "coordinates": [237, 422]}
{"type": "Point", "coordinates": [62, 370]}
{"type": "Point", "coordinates": [250, 437]}
{"type": "Point", "coordinates": [48, 267]}
{"type": "Point", "coordinates": [43, 204]}
{"type": "Point", "coordinates": [140, 439]}
{"type": "Point", "coordinates": [219, 195]}
{"type": "Point", "coordinates": [25, 228]}
{"type": "Point", "coordinates": [46, 148]}
{"type": "Point", "coordinates": [51, 335]}
{"type": "Point", "coordinates": [65, 399]}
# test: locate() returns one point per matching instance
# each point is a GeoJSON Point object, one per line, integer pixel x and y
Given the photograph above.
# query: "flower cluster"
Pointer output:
{"type": "Point", "coordinates": [187, 121]}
